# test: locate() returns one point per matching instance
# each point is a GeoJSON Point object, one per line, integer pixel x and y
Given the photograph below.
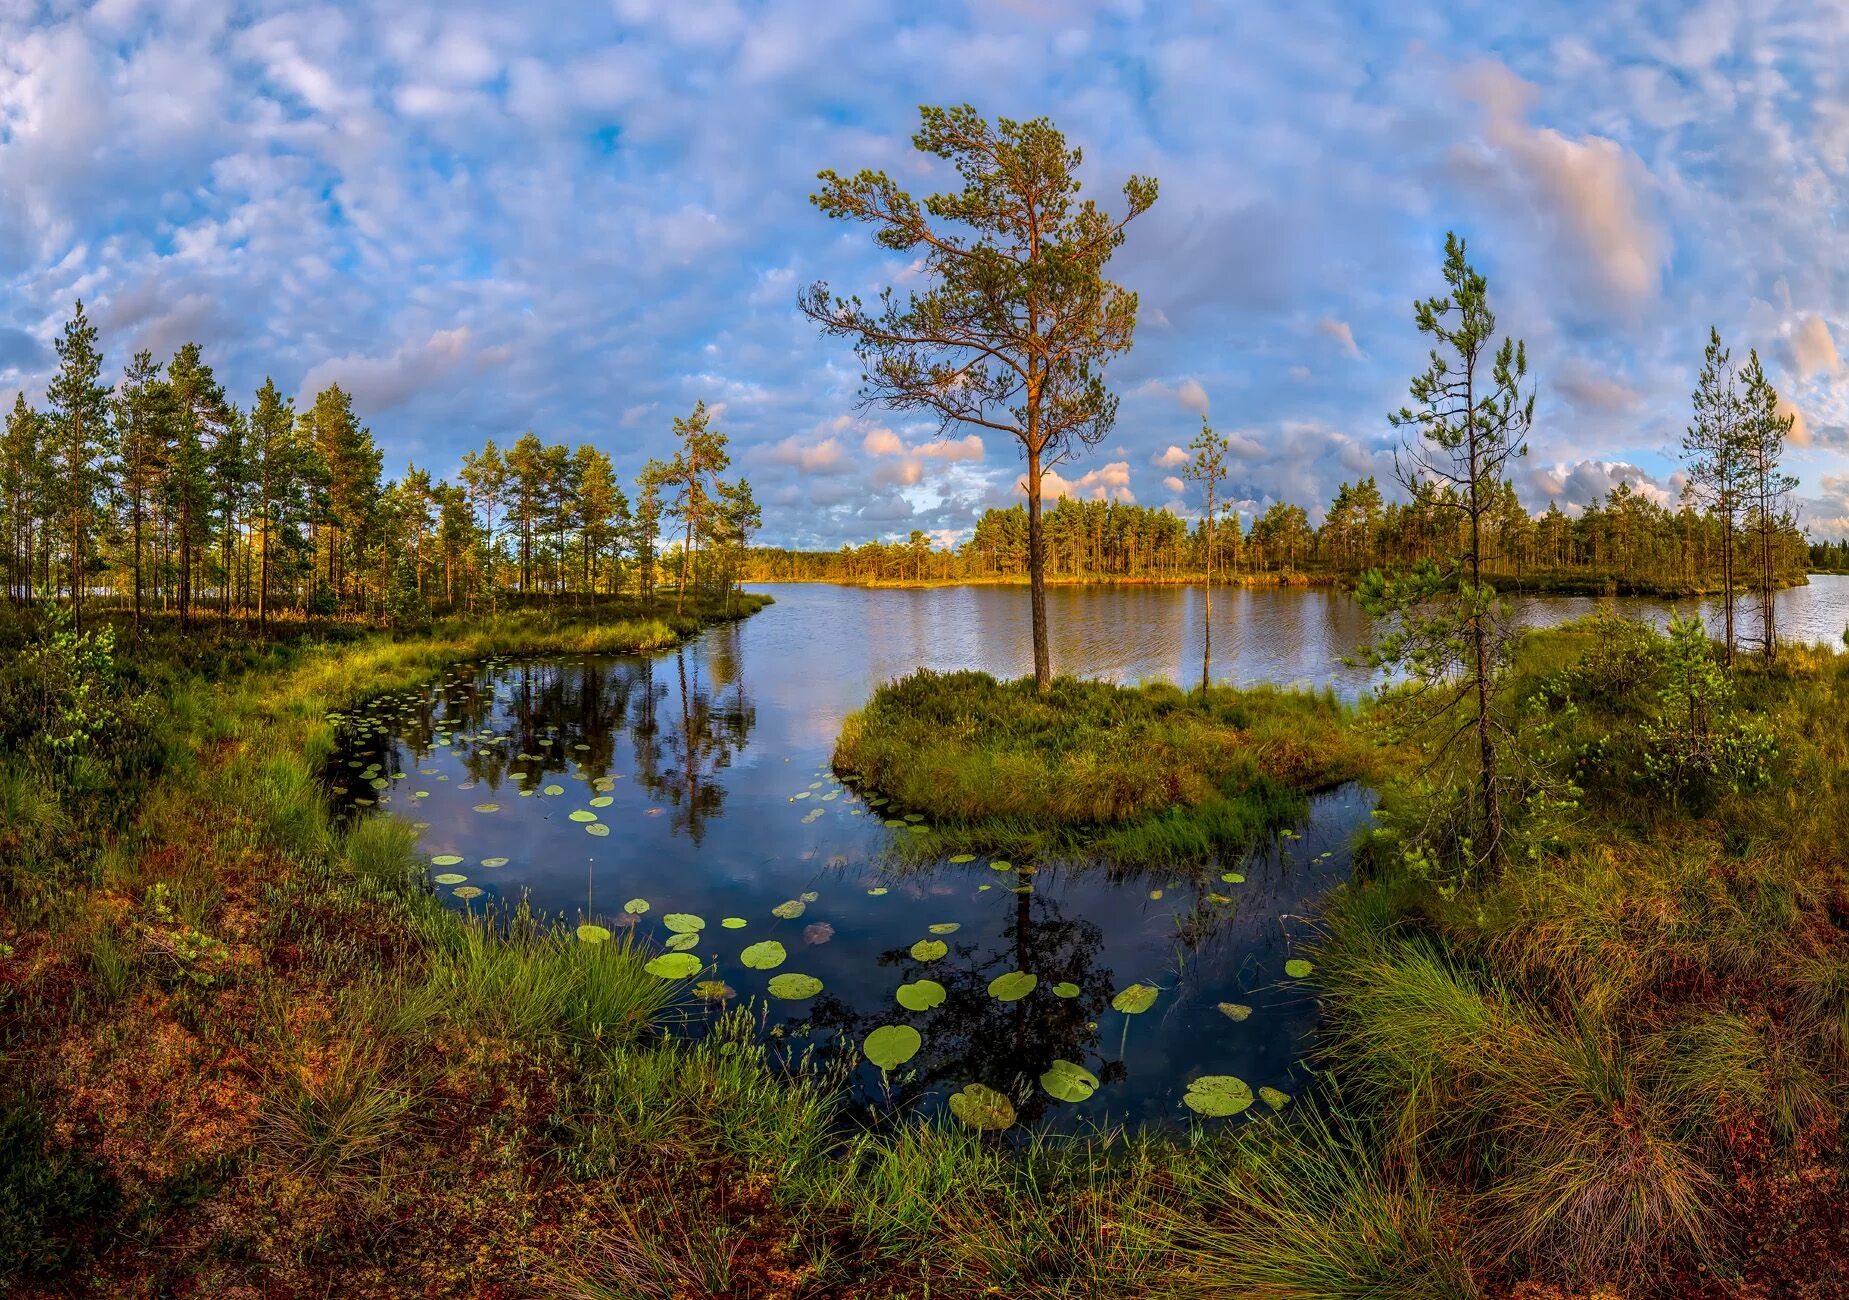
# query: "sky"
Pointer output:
{"type": "Point", "coordinates": [581, 218]}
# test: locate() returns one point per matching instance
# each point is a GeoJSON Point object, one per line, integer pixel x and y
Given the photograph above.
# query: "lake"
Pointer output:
{"type": "Point", "coordinates": [693, 787]}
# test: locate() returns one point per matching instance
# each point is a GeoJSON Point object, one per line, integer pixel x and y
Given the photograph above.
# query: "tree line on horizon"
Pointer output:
{"type": "Point", "coordinates": [1624, 539]}
{"type": "Point", "coordinates": [159, 494]}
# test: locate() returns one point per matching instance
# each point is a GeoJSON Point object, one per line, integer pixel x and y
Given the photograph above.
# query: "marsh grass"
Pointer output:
{"type": "Point", "coordinates": [1144, 776]}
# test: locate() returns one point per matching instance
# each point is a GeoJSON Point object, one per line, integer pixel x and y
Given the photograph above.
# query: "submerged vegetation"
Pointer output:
{"type": "Point", "coordinates": [1142, 776]}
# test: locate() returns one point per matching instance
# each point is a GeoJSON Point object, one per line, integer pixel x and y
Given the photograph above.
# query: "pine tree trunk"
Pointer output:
{"type": "Point", "coordinates": [1036, 571]}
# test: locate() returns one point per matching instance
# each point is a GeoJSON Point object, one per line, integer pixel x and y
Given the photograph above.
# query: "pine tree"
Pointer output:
{"type": "Point", "coordinates": [690, 480]}
{"type": "Point", "coordinates": [279, 481]}
{"type": "Point", "coordinates": [145, 426]}
{"type": "Point", "coordinates": [1766, 488]}
{"type": "Point", "coordinates": [22, 490]}
{"type": "Point", "coordinates": [79, 444]}
{"type": "Point", "coordinates": [484, 475]}
{"type": "Point", "coordinates": [1716, 447]}
{"type": "Point", "coordinates": [1208, 469]}
{"type": "Point", "coordinates": [201, 416]}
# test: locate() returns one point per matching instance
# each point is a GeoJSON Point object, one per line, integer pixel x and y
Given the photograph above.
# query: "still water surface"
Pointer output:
{"type": "Point", "coordinates": [709, 768]}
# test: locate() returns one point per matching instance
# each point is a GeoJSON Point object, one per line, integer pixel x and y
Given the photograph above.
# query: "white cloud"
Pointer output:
{"type": "Point", "coordinates": [1107, 483]}
{"type": "Point", "coordinates": [380, 383]}
{"type": "Point", "coordinates": [1339, 331]}
{"type": "Point", "coordinates": [1171, 457]}
{"type": "Point", "coordinates": [1174, 484]}
{"type": "Point", "coordinates": [1813, 351]}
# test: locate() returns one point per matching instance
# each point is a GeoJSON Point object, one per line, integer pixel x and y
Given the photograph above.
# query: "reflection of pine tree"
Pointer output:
{"type": "Point", "coordinates": [709, 730]}
{"type": "Point", "coordinates": [973, 1037]}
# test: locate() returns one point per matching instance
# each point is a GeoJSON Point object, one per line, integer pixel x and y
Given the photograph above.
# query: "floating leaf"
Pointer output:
{"type": "Point", "coordinates": [792, 987]}
{"type": "Point", "coordinates": [789, 910]}
{"type": "Point", "coordinates": [1013, 986]}
{"type": "Point", "coordinates": [593, 934]}
{"type": "Point", "coordinates": [1235, 1010]}
{"type": "Point", "coordinates": [1065, 989]}
{"type": "Point", "coordinates": [673, 966]}
{"type": "Point", "coordinates": [487, 807]}
{"type": "Point", "coordinates": [466, 891]}
{"type": "Point", "coordinates": [1068, 1081]}
{"type": "Point", "coordinates": [767, 955]}
{"type": "Point", "coordinates": [1297, 968]}
{"type": "Point", "coordinates": [602, 801]}
{"type": "Point", "coordinates": [877, 891]}
{"type": "Point", "coordinates": [921, 995]}
{"type": "Point", "coordinates": [818, 932]}
{"type": "Point", "coordinates": [494, 862]}
{"type": "Point", "coordinates": [1155, 895]}
{"type": "Point", "coordinates": [682, 942]}
{"type": "Point", "coordinates": [959, 859]}
{"type": "Point", "coordinates": [733, 922]}
{"type": "Point", "coordinates": [1135, 1000]}
{"type": "Point", "coordinates": [713, 990]}
{"type": "Point", "coordinates": [891, 1046]}
{"type": "Point", "coordinates": [582, 815]}
{"type": "Point", "coordinates": [808, 896]}
{"type": "Point", "coordinates": [1232, 878]}
{"type": "Point", "coordinates": [552, 789]}
{"type": "Point", "coordinates": [1273, 1098]}
{"type": "Point", "coordinates": [449, 878]}
{"type": "Point", "coordinates": [636, 906]}
{"type": "Point", "coordinates": [999, 865]}
{"type": "Point", "coordinates": [597, 829]}
{"type": "Point", "coordinates": [982, 1107]}
{"type": "Point", "coordinates": [683, 922]}
{"type": "Point", "coordinates": [945, 927]}
{"type": "Point", "coordinates": [1217, 1095]}
{"type": "Point", "coordinates": [929, 949]}
{"type": "Point", "coordinates": [446, 859]}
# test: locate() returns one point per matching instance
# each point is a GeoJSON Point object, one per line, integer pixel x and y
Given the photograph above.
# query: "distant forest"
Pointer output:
{"type": "Point", "coordinates": [1625, 542]}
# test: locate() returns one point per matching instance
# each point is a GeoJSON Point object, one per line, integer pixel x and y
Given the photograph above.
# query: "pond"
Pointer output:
{"type": "Point", "coordinates": [687, 796]}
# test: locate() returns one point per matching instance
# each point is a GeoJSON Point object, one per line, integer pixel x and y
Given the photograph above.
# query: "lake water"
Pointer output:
{"type": "Point", "coordinates": [705, 770]}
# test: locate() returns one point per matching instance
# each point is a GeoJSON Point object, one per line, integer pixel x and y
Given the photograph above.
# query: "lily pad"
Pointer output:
{"type": "Point", "coordinates": [1013, 986]}
{"type": "Point", "coordinates": [891, 1046]}
{"type": "Point", "coordinates": [494, 862]}
{"type": "Point", "coordinates": [767, 955]}
{"type": "Point", "coordinates": [1232, 878]}
{"type": "Point", "coordinates": [1065, 989]}
{"type": "Point", "coordinates": [733, 922]}
{"type": "Point", "coordinates": [982, 1107]}
{"type": "Point", "coordinates": [1217, 1095]}
{"type": "Point", "coordinates": [792, 987]}
{"type": "Point", "coordinates": [554, 788]}
{"type": "Point", "coordinates": [1000, 865]}
{"type": "Point", "coordinates": [1135, 1000]}
{"type": "Point", "coordinates": [789, 910]}
{"type": "Point", "coordinates": [1273, 1098]}
{"type": "Point", "coordinates": [446, 860]}
{"type": "Point", "coordinates": [682, 942]}
{"type": "Point", "coordinates": [920, 995]}
{"type": "Point", "coordinates": [1069, 1081]}
{"type": "Point", "coordinates": [582, 815]}
{"type": "Point", "coordinates": [1235, 1010]}
{"type": "Point", "coordinates": [597, 828]}
{"type": "Point", "coordinates": [593, 934]}
{"type": "Point", "coordinates": [448, 878]}
{"type": "Point", "coordinates": [487, 807]}
{"type": "Point", "coordinates": [929, 949]}
{"type": "Point", "coordinates": [946, 927]}
{"type": "Point", "coordinates": [466, 892]}
{"type": "Point", "coordinates": [603, 801]}
{"type": "Point", "coordinates": [1297, 968]}
{"type": "Point", "coordinates": [959, 859]}
{"type": "Point", "coordinates": [713, 990]}
{"type": "Point", "coordinates": [877, 891]}
{"type": "Point", "coordinates": [818, 932]}
{"type": "Point", "coordinates": [673, 966]}
{"type": "Point", "coordinates": [636, 906]}
{"type": "Point", "coordinates": [683, 922]}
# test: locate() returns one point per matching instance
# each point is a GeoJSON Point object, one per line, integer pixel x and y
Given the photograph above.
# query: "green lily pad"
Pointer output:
{"type": "Point", "coordinates": [767, 955]}
{"type": "Point", "coordinates": [1069, 1081]}
{"type": "Point", "coordinates": [1217, 1095]}
{"type": "Point", "coordinates": [1297, 968]}
{"type": "Point", "coordinates": [1232, 878]}
{"type": "Point", "coordinates": [1273, 1098]}
{"type": "Point", "coordinates": [603, 801]}
{"type": "Point", "coordinates": [959, 859]}
{"type": "Point", "coordinates": [713, 990]}
{"type": "Point", "coordinates": [789, 910]}
{"type": "Point", "coordinates": [877, 891]}
{"type": "Point", "coordinates": [487, 807]}
{"type": "Point", "coordinates": [673, 966]}
{"type": "Point", "coordinates": [636, 906]}
{"type": "Point", "coordinates": [733, 922]}
{"type": "Point", "coordinates": [682, 942]}
{"type": "Point", "coordinates": [683, 922]}
{"type": "Point", "coordinates": [1235, 1010]}
{"type": "Point", "coordinates": [929, 949]}
{"type": "Point", "coordinates": [466, 891]}
{"type": "Point", "coordinates": [597, 828]}
{"type": "Point", "coordinates": [1065, 989]}
{"type": "Point", "coordinates": [448, 878]}
{"type": "Point", "coordinates": [593, 934]}
{"type": "Point", "coordinates": [920, 995]}
{"type": "Point", "coordinates": [494, 862]}
{"type": "Point", "coordinates": [792, 987]}
{"type": "Point", "coordinates": [1136, 999]}
{"type": "Point", "coordinates": [1000, 865]}
{"type": "Point", "coordinates": [446, 860]}
{"type": "Point", "coordinates": [891, 1046]}
{"type": "Point", "coordinates": [552, 789]}
{"type": "Point", "coordinates": [582, 815]}
{"type": "Point", "coordinates": [982, 1107]}
{"type": "Point", "coordinates": [1013, 986]}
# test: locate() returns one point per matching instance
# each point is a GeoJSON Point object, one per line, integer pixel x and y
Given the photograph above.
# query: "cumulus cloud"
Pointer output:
{"type": "Point", "coordinates": [1340, 331]}
{"type": "Point", "coordinates": [1174, 484]}
{"type": "Point", "coordinates": [1591, 189]}
{"type": "Point", "coordinates": [380, 383]}
{"type": "Point", "coordinates": [1106, 483]}
{"type": "Point", "coordinates": [826, 456]}
{"type": "Point", "coordinates": [1577, 485]}
{"type": "Point", "coordinates": [1189, 394]}
{"type": "Point", "coordinates": [1586, 388]}
{"type": "Point", "coordinates": [1813, 351]}
{"type": "Point", "coordinates": [1170, 457]}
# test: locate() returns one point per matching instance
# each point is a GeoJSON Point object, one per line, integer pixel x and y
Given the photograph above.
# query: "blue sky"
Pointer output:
{"type": "Point", "coordinates": [580, 218]}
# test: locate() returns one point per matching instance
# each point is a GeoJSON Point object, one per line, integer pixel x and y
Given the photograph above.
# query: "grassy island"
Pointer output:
{"type": "Point", "coordinates": [1142, 775]}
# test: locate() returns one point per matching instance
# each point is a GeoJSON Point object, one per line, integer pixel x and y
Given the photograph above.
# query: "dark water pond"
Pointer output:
{"type": "Point", "coordinates": [696, 783]}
